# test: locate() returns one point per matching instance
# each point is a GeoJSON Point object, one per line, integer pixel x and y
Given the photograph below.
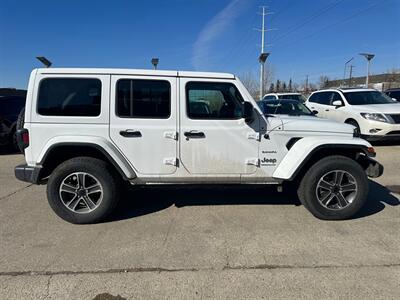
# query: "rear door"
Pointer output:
{"type": "Point", "coordinates": [143, 122]}
{"type": "Point", "coordinates": [214, 139]}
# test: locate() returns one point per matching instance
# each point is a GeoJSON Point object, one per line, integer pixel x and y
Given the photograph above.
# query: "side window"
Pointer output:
{"type": "Point", "coordinates": [213, 100]}
{"type": "Point", "coordinates": [314, 98]}
{"type": "Point", "coordinates": [138, 98]}
{"type": "Point", "coordinates": [69, 97]}
{"type": "Point", "coordinates": [270, 97]}
{"type": "Point", "coordinates": [325, 98]}
{"type": "Point", "coordinates": [335, 97]}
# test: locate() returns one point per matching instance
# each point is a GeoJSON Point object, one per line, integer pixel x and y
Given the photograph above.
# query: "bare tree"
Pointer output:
{"type": "Point", "coordinates": [323, 81]}
{"type": "Point", "coordinates": [250, 81]}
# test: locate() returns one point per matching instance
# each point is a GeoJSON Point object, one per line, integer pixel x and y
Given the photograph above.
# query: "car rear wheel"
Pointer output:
{"type": "Point", "coordinates": [83, 190]}
{"type": "Point", "coordinates": [334, 188]}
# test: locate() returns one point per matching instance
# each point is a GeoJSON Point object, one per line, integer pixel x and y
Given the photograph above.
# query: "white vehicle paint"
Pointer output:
{"type": "Point", "coordinates": [168, 127]}
{"type": "Point", "coordinates": [274, 96]}
{"type": "Point", "coordinates": [375, 121]}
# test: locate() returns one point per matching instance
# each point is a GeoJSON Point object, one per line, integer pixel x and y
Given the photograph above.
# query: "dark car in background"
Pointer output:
{"type": "Point", "coordinates": [285, 107]}
{"type": "Point", "coordinates": [10, 109]}
{"type": "Point", "coordinates": [393, 93]}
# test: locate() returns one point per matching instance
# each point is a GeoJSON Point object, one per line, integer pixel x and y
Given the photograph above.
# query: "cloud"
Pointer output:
{"type": "Point", "coordinates": [212, 31]}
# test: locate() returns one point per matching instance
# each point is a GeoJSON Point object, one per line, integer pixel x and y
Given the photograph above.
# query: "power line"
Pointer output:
{"type": "Point", "coordinates": [336, 23]}
{"type": "Point", "coordinates": [308, 20]}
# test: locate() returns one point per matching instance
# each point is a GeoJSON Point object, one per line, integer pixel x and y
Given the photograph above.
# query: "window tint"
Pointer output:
{"type": "Point", "coordinates": [270, 97]}
{"type": "Point", "coordinates": [293, 97]}
{"type": "Point", "coordinates": [335, 97]}
{"type": "Point", "coordinates": [143, 98]}
{"type": "Point", "coordinates": [69, 97]}
{"type": "Point", "coordinates": [325, 98]}
{"type": "Point", "coordinates": [367, 97]}
{"type": "Point", "coordinates": [285, 107]}
{"type": "Point", "coordinates": [213, 100]}
{"type": "Point", "coordinates": [314, 98]}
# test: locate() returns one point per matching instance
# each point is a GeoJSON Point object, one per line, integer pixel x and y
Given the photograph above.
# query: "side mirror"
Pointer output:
{"type": "Point", "coordinates": [337, 103]}
{"type": "Point", "coordinates": [315, 112]}
{"type": "Point", "coordinates": [247, 111]}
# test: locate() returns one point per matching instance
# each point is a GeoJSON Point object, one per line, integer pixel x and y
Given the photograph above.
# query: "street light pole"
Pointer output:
{"type": "Point", "coordinates": [154, 62]}
{"type": "Point", "coordinates": [369, 57]}
{"type": "Point", "coordinates": [262, 63]}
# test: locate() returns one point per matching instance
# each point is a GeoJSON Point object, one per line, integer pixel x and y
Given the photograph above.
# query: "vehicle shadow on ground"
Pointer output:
{"type": "Point", "coordinates": [386, 143]}
{"type": "Point", "coordinates": [141, 201]}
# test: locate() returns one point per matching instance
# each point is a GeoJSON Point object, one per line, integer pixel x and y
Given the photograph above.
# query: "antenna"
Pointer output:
{"type": "Point", "coordinates": [44, 61]}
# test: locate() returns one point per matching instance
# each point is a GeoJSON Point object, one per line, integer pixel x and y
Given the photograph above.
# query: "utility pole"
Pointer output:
{"type": "Point", "coordinates": [263, 55]}
{"type": "Point", "coordinates": [351, 73]}
{"type": "Point", "coordinates": [345, 67]}
{"type": "Point", "coordinates": [306, 83]}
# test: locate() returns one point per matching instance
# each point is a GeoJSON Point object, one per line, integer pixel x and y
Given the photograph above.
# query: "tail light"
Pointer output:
{"type": "Point", "coordinates": [23, 138]}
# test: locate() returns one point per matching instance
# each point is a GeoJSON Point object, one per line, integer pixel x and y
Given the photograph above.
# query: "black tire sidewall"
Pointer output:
{"type": "Point", "coordinates": [321, 168]}
{"type": "Point", "coordinates": [102, 172]}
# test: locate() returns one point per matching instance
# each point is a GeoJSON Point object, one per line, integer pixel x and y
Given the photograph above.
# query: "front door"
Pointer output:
{"type": "Point", "coordinates": [214, 138]}
{"type": "Point", "coordinates": [143, 122]}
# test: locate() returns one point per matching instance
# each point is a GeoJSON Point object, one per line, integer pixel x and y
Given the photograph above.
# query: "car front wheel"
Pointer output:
{"type": "Point", "coordinates": [334, 188]}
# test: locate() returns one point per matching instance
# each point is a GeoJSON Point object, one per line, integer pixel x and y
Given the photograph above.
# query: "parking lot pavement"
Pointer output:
{"type": "Point", "coordinates": [200, 242]}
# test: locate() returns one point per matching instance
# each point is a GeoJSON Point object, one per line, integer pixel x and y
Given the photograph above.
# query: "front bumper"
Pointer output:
{"type": "Point", "coordinates": [27, 173]}
{"type": "Point", "coordinates": [377, 138]}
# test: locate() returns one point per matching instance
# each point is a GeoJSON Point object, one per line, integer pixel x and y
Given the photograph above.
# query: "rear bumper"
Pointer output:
{"type": "Point", "coordinates": [27, 173]}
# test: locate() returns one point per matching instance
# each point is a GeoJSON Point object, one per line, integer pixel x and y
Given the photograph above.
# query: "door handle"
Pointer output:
{"type": "Point", "coordinates": [326, 109]}
{"type": "Point", "coordinates": [194, 134]}
{"type": "Point", "coordinates": [130, 133]}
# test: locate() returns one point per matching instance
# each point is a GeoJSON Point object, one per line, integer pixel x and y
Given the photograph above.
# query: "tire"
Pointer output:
{"type": "Point", "coordinates": [335, 201]}
{"type": "Point", "coordinates": [19, 125]}
{"type": "Point", "coordinates": [355, 124]}
{"type": "Point", "coordinates": [85, 207]}
{"type": "Point", "coordinates": [21, 119]}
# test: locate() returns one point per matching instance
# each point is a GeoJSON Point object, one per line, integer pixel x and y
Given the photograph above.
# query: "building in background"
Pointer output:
{"type": "Point", "coordinates": [380, 82]}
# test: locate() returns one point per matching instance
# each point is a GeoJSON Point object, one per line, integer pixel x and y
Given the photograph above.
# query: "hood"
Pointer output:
{"type": "Point", "coordinates": [304, 123]}
{"type": "Point", "coordinates": [390, 108]}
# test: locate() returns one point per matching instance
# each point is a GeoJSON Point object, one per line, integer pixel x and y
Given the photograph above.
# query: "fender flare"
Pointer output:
{"type": "Point", "coordinates": [111, 152]}
{"type": "Point", "coordinates": [303, 150]}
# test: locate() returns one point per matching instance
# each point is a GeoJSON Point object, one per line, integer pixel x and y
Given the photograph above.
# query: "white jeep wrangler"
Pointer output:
{"type": "Point", "coordinates": [87, 130]}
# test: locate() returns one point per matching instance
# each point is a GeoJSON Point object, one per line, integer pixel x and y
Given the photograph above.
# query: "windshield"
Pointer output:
{"type": "Point", "coordinates": [367, 97]}
{"type": "Point", "coordinates": [292, 108]}
{"type": "Point", "coordinates": [395, 94]}
{"type": "Point", "coordinates": [294, 97]}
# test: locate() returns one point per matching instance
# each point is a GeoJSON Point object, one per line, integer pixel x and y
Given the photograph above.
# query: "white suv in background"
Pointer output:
{"type": "Point", "coordinates": [293, 96]}
{"type": "Point", "coordinates": [375, 115]}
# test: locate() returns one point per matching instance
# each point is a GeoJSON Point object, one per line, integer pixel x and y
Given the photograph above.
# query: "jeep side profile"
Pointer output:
{"type": "Point", "coordinates": [88, 130]}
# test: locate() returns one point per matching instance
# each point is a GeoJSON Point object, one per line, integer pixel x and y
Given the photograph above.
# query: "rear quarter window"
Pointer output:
{"type": "Point", "coordinates": [69, 97]}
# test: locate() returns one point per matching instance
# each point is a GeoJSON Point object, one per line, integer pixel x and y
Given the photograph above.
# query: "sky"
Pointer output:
{"type": "Point", "coordinates": [310, 37]}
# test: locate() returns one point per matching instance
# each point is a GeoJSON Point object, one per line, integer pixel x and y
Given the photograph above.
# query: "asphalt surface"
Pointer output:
{"type": "Point", "coordinates": [200, 242]}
